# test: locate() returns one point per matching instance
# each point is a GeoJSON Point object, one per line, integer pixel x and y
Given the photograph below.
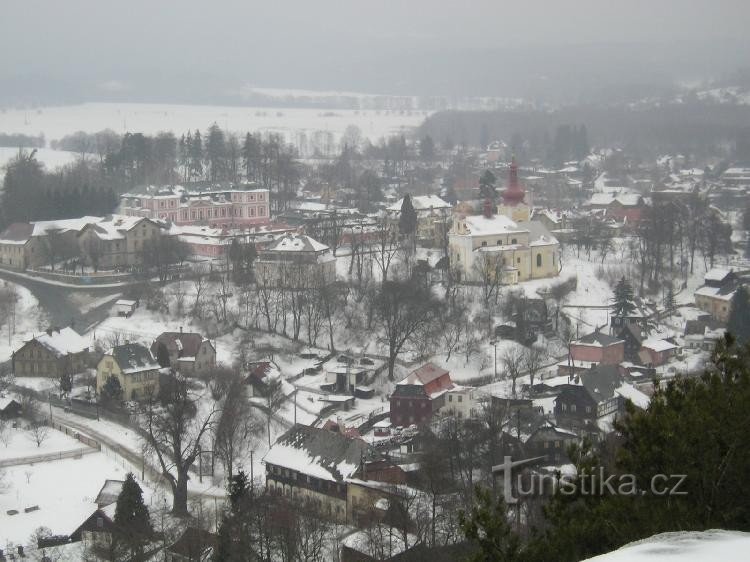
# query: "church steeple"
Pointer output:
{"type": "Point", "coordinates": [514, 193]}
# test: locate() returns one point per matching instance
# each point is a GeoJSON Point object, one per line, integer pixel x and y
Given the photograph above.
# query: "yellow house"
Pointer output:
{"type": "Point", "coordinates": [135, 368]}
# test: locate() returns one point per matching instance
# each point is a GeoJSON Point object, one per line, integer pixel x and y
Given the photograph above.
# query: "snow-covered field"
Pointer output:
{"type": "Point", "coordinates": [50, 158]}
{"type": "Point", "coordinates": [21, 444]}
{"type": "Point", "coordinates": [728, 546]}
{"type": "Point", "coordinates": [64, 491]}
{"type": "Point", "coordinates": [56, 122]}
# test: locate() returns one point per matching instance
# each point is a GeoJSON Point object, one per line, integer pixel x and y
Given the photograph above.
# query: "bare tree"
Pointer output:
{"type": "Point", "coordinates": [487, 270]}
{"type": "Point", "coordinates": [38, 432]}
{"type": "Point", "coordinates": [5, 434]}
{"type": "Point", "coordinates": [274, 399]}
{"type": "Point", "coordinates": [235, 426]}
{"type": "Point", "coordinates": [533, 360]}
{"type": "Point", "coordinates": [174, 430]}
{"type": "Point", "coordinates": [404, 309]}
{"type": "Point", "coordinates": [513, 360]}
{"type": "Point", "coordinates": [386, 246]}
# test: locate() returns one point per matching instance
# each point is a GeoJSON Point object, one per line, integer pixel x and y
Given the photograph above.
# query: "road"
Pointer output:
{"type": "Point", "coordinates": [64, 305]}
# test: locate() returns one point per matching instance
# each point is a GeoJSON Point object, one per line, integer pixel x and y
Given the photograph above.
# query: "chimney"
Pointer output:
{"type": "Point", "coordinates": [180, 329]}
{"type": "Point", "coordinates": [20, 551]}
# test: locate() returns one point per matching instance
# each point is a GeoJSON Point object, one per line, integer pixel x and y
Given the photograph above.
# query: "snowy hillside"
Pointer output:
{"type": "Point", "coordinates": [727, 546]}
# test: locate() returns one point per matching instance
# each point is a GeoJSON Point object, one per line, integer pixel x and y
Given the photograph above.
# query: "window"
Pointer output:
{"type": "Point", "coordinates": [460, 398]}
{"type": "Point", "coordinates": [450, 398]}
{"type": "Point", "coordinates": [499, 242]}
{"type": "Point", "coordinates": [484, 244]}
{"type": "Point", "coordinates": [518, 260]}
{"type": "Point", "coordinates": [572, 407]}
{"type": "Point", "coordinates": [514, 241]}
{"type": "Point", "coordinates": [539, 260]}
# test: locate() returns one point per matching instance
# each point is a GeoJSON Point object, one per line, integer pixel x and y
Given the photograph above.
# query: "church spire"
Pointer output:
{"type": "Point", "coordinates": [514, 193]}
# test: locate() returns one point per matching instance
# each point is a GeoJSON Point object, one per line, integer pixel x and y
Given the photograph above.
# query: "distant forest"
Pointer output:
{"type": "Point", "coordinates": [695, 128]}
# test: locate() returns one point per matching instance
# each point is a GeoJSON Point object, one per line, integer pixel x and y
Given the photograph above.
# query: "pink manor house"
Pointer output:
{"type": "Point", "coordinates": [221, 208]}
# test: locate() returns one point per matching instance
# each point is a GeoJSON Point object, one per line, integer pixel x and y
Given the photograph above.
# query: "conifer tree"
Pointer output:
{"type": "Point", "coordinates": [132, 519]}
{"type": "Point", "coordinates": [407, 222]}
{"type": "Point", "coordinates": [487, 185]}
{"type": "Point", "coordinates": [622, 304]}
{"type": "Point", "coordinates": [739, 316]}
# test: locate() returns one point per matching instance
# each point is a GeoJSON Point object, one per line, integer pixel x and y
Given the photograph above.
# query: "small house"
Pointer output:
{"type": "Point", "coordinates": [10, 408]}
{"type": "Point", "coordinates": [55, 352]}
{"type": "Point", "coordinates": [186, 352]}
{"type": "Point", "coordinates": [418, 396]}
{"type": "Point", "coordinates": [125, 307]}
{"type": "Point", "coordinates": [134, 367]}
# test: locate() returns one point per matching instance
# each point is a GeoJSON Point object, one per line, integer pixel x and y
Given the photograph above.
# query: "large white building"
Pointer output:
{"type": "Point", "coordinates": [506, 244]}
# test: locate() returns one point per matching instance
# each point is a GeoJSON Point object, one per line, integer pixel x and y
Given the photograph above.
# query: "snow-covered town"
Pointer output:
{"type": "Point", "coordinates": [292, 324]}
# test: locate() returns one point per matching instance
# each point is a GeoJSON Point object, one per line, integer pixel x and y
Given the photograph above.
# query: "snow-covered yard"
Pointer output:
{"type": "Point", "coordinates": [27, 320]}
{"type": "Point", "coordinates": [64, 492]}
{"type": "Point", "coordinates": [21, 443]}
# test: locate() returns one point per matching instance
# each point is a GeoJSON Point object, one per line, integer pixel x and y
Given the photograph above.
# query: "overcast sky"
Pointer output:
{"type": "Point", "coordinates": [316, 43]}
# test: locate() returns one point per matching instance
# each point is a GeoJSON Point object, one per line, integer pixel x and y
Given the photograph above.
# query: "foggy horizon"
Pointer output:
{"type": "Point", "coordinates": [543, 51]}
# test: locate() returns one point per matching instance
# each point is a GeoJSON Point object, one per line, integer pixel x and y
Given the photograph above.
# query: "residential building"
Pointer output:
{"type": "Point", "coordinates": [295, 261]}
{"type": "Point", "coordinates": [715, 296]}
{"type": "Point", "coordinates": [53, 353]}
{"type": "Point", "coordinates": [433, 218]}
{"type": "Point", "coordinates": [222, 208]}
{"type": "Point", "coordinates": [461, 402]}
{"type": "Point", "coordinates": [186, 352]}
{"type": "Point", "coordinates": [624, 207]}
{"type": "Point", "coordinates": [507, 244]}
{"type": "Point", "coordinates": [315, 464]}
{"type": "Point", "coordinates": [117, 241]}
{"type": "Point", "coordinates": [574, 406]}
{"type": "Point", "coordinates": [419, 395]}
{"type": "Point", "coordinates": [656, 351]}
{"type": "Point", "coordinates": [16, 246]}
{"type": "Point", "coordinates": [598, 347]}
{"type": "Point", "coordinates": [97, 530]}
{"type": "Point", "coordinates": [550, 441]}
{"type": "Point", "coordinates": [10, 408]}
{"type": "Point", "coordinates": [134, 367]}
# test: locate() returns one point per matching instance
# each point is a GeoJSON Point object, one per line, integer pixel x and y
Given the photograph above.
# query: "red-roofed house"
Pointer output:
{"type": "Point", "coordinates": [187, 352]}
{"type": "Point", "coordinates": [420, 395]}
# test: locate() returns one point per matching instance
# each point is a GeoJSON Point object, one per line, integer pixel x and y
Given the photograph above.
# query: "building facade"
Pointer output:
{"type": "Point", "coordinates": [135, 369]}
{"type": "Point", "coordinates": [295, 261]}
{"type": "Point", "coordinates": [223, 208]}
{"type": "Point", "coordinates": [187, 352]}
{"type": "Point", "coordinates": [420, 395]}
{"type": "Point", "coordinates": [54, 353]}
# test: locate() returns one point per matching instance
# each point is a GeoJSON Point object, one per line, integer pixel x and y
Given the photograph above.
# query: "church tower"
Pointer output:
{"type": "Point", "coordinates": [514, 204]}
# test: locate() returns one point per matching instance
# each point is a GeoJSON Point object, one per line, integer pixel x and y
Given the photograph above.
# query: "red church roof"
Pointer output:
{"type": "Point", "coordinates": [514, 193]}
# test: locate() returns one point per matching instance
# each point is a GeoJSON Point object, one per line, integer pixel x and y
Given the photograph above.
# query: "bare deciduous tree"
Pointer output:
{"type": "Point", "coordinates": [174, 430]}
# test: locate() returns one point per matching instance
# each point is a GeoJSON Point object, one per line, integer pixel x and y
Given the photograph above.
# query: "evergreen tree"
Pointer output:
{"type": "Point", "coordinates": [488, 526]}
{"type": "Point", "coordinates": [427, 149]}
{"type": "Point", "coordinates": [487, 185]}
{"type": "Point", "coordinates": [196, 156]}
{"type": "Point", "coordinates": [132, 519]}
{"type": "Point", "coordinates": [407, 221]}
{"type": "Point", "coordinates": [112, 390]}
{"type": "Point", "coordinates": [739, 316]}
{"type": "Point", "coordinates": [622, 304]}
{"type": "Point", "coordinates": [216, 153]}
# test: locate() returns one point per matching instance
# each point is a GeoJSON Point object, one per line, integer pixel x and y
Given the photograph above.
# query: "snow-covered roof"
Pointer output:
{"type": "Point", "coordinates": [113, 227]}
{"type": "Point", "coordinates": [633, 394]}
{"type": "Point", "coordinates": [423, 375]}
{"type": "Point", "coordinates": [479, 225]}
{"type": "Point", "coordinates": [17, 233]}
{"type": "Point", "coordinates": [658, 345]}
{"type": "Point", "coordinates": [422, 203]}
{"type": "Point", "coordinates": [605, 199]}
{"type": "Point", "coordinates": [41, 228]}
{"type": "Point", "coordinates": [296, 243]}
{"type": "Point", "coordinates": [318, 452]}
{"type": "Point", "coordinates": [62, 341]}
{"type": "Point", "coordinates": [716, 274]}
{"type": "Point", "coordinates": [715, 292]}
{"type": "Point", "coordinates": [133, 358]}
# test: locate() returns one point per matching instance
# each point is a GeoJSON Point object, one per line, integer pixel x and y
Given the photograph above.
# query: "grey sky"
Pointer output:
{"type": "Point", "coordinates": [315, 43]}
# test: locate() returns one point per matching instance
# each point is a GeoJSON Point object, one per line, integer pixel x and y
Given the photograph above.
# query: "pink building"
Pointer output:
{"type": "Point", "coordinates": [598, 348]}
{"type": "Point", "coordinates": [228, 208]}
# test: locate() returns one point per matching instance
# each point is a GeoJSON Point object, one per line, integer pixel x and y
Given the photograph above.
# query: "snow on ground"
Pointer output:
{"type": "Point", "coordinates": [21, 444]}
{"type": "Point", "coordinates": [727, 546]}
{"type": "Point", "coordinates": [51, 159]}
{"type": "Point", "coordinates": [28, 319]}
{"type": "Point", "coordinates": [56, 122]}
{"type": "Point", "coordinates": [64, 491]}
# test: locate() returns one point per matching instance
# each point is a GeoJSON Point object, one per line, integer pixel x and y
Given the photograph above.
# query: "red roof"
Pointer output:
{"type": "Point", "coordinates": [424, 374]}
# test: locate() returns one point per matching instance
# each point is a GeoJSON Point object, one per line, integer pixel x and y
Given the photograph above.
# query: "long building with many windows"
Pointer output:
{"type": "Point", "coordinates": [223, 208]}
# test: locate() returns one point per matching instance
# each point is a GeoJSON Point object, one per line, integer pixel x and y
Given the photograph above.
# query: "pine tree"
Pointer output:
{"type": "Point", "coordinates": [407, 222]}
{"type": "Point", "coordinates": [487, 525]}
{"type": "Point", "coordinates": [739, 316]}
{"type": "Point", "coordinates": [487, 185]}
{"type": "Point", "coordinates": [132, 519]}
{"type": "Point", "coordinates": [196, 156]}
{"type": "Point", "coordinates": [622, 304]}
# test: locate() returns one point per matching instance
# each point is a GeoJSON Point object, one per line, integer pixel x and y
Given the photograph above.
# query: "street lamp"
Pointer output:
{"type": "Point", "coordinates": [494, 345]}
